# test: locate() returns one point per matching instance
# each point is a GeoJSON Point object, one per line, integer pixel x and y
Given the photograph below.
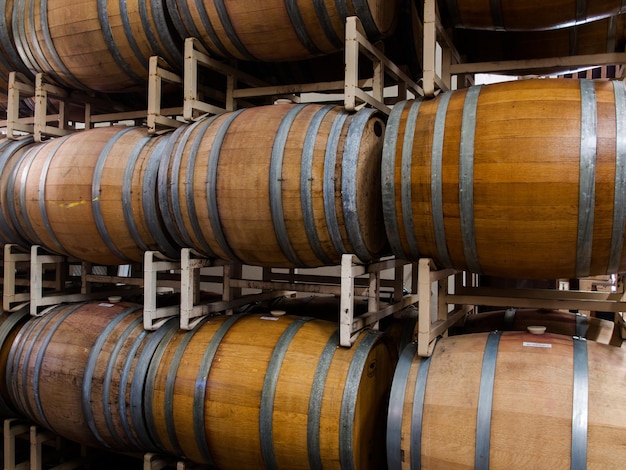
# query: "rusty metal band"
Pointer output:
{"type": "Point", "coordinates": [485, 401]}
{"type": "Point", "coordinates": [268, 393]}
{"type": "Point", "coordinates": [436, 181]}
{"type": "Point", "coordinates": [276, 185]}
{"type": "Point", "coordinates": [306, 184]}
{"type": "Point", "coordinates": [619, 202]}
{"type": "Point", "coordinates": [466, 179]}
{"type": "Point", "coordinates": [587, 177]}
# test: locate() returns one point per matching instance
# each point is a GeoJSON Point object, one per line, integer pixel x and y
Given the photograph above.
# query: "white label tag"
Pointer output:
{"type": "Point", "coordinates": [105, 305]}
{"type": "Point", "coordinates": [270, 318]}
{"type": "Point", "coordinates": [536, 345]}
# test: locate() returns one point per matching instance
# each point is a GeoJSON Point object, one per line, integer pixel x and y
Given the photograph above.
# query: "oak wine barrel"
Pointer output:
{"type": "Point", "coordinates": [10, 154]}
{"type": "Point", "coordinates": [275, 30]}
{"type": "Point", "coordinates": [598, 37]}
{"type": "Point", "coordinates": [508, 400]}
{"type": "Point", "coordinates": [529, 15]}
{"type": "Point", "coordinates": [79, 370]}
{"type": "Point", "coordinates": [10, 60]}
{"type": "Point", "coordinates": [259, 391]}
{"type": "Point", "coordinates": [560, 322]}
{"type": "Point", "coordinates": [10, 325]}
{"type": "Point", "coordinates": [91, 195]}
{"type": "Point", "coordinates": [95, 45]}
{"type": "Point", "coordinates": [281, 185]}
{"type": "Point", "coordinates": [522, 179]}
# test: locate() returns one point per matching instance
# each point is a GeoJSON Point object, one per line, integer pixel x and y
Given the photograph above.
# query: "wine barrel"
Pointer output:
{"type": "Point", "coordinates": [560, 322]}
{"type": "Point", "coordinates": [598, 37]}
{"type": "Point", "coordinates": [79, 370]}
{"type": "Point", "coordinates": [281, 185]}
{"type": "Point", "coordinates": [276, 30]}
{"type": "Point", "coordinates": [10, 60]}
{"type": "Point", "coordinates": [10, 325]}
{"type": "Point", "coordinates": [91, 195]}
{"type": "Point", "coordinates": [10, 153]}
{"type": "Point", "coordinates": [521, 179]}
{"type": "Point", "coordinates": [527, 16]}
{"type": "Point", "coordinates": [508, 400]}
{"type": "Point", "coordinates": [254, 391]}
{"type": "Point", "coordinates": [95, 45]}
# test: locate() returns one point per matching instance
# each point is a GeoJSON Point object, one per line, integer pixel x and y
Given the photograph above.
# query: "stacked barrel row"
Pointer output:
{"type": "Point", "coordinates": [522, 179]}
{"type": "Point", "coordinates": [260, 391]}
{"type": "Point", "coordinates": [95, 45]}
{"type": "Point", "coordinates": [103, 46]}
{"type": "Point", "coordinates": [283, 185]}
{"type": "Point", "coordinates": [242, 391]}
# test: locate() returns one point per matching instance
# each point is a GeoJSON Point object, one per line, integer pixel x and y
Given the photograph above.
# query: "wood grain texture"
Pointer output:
{"type": "Point", "coordinates": [235, 388]}
{"type": "Point", "coordinates": [523, 171]}
{"type": "Point", "coordinates": [238, 186]}
{"type": "Point", "coordinates": [48, 366]}
{"type": "Point", "coordinates": [11, 154]}
{"type": "Point", "coordinates": [73, 189]}
{"type": "Point", "coordinates": [531, 414]}
{"type": "Point", "coordinates": [269, 31]}
{"type": "Point", "coordinates": [82, 47]}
